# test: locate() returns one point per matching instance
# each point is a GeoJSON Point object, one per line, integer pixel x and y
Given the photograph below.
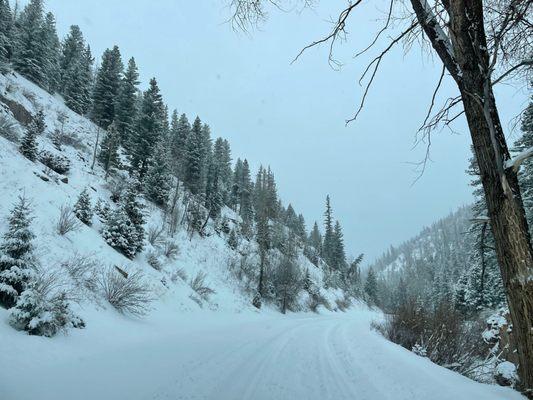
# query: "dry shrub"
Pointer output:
{"type": "Point", "coordinates": [67, 221]}
{"type": "Point", "coordinates": [200, 287]}
{"type": "Point", "coordinates": [8, 129]}
{"type": "Point", "coordinates": [154, 235]}
{"type": "Point", "coordinates": [170, 249]}
{"type": "Point", "coordinates": [442, 334]}
{"type": "Point", "coordinates": [180, 273]}
{"type": "Point", "coordinates": [128, 295]}
{"type": "Point", "coordinates": [83, 271]}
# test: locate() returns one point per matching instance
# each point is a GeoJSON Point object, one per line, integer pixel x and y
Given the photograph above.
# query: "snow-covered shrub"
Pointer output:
{"type": "Point", "coordinates": [83, 209]}
{"type": "Point", "coordinates": [57, 163]}
{"type": "Point", "coordinates": [505, 374]}
{"type": "Point", "coordinates": [420, 350]}
{"type": "Point", "coordinates": [67, 221]}
{"type": "Point", "coordinates": [8, 129]}
{"type": "Point", "coordinates": [116, 186]}
{"type": "Point", "coordinates": [128, 295]}
{"type": "Point", "coordinates": [120, 233]}
{"type": "Point", "coordinates": [316, 298]}
{"type": "Point", "coordinates": [41, 310]}
{"type": "Point", "coordinates": [199, 285]}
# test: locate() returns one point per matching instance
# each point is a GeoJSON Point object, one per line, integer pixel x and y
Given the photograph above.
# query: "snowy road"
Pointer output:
{"type": "Point", "coordinates": [222, 357]}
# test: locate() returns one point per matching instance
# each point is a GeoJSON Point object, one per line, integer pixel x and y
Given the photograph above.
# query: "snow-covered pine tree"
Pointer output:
{"type": "Point", "coordinates": [120, 233]}
{"type": "Point", "coordinates": [106, 88]}
{"type": "Point", "coordinates": [29, 56]}
{"type": "Point", "coordinates": [213, 196]}
{"type": "Point", "coordinates": [42, 314]}
{"type": "Point", "coordinates": [102, 210]}
{"type": "Point", "coordinates": [28, 145]}
{"type": "Point", "coordinates": [158, 180]}
{"type": "Point", "coordinates": [52, 53]}
{"type": "Point", "coordinates": [193, 162]}
{"type": "Point", "coordinates": [108, 154]}
{"type": "Point", "coordinates": [40, 125]}
{"type": "Point", "coordinates": [149, 128]}
{"type": "Point", "coordinates": [234, 200]}
{"type": "Point", "coordinates": [134, 210]}
{"type": "Point", "coordinates": [526, 171]}
{"type": "Point", "coordinates": [76, 71]}
{"type": "Point", "coordinates": [126, 105]}
{"type": "Point", "coordinates": [179, 133]}
{"type": "Point", "coordinates": [83, 209]}
{"type": "Point", "coordinates": [484, 288]}
{"type": "Point", "coordinates": [6, 35]}
{"type": "Point", "coordinates": [206, 154]}
{"type": "Point", "coordinates": [16, 254]}
{"type": "Point", "coordinates": [222, 157]}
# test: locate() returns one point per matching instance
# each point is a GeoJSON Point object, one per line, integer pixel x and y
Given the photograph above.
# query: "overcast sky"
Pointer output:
{"type": "Point", "coordinates": [292, 116]}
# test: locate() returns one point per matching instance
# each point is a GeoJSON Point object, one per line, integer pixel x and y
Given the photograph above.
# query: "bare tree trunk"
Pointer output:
{"type": "Point", "coordinates": [95, 147]}
{"type": "Point", "coordinates": [500, 184]}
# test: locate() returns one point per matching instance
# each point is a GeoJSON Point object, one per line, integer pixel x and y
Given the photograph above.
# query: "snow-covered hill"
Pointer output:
{"type": "Point", "coordinates": [49, 191]}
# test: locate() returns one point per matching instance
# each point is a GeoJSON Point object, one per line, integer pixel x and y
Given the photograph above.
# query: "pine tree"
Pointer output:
{"type": "Point", "coordinates": [213, 194]}
{"type": "Point", "coordinates": [235, 196]}
{"type": "Point", "coordinates": [126, 106]}
{"type": "Point", "coordinates": [193, 162]}
{"type": "Point", "coordinates": [40, 125]}
{"type": "Point", "coordinates": [134, 210]}
{"type": "Point", "coordinates": [328, 245]}
{"type": "Point", "coordinates": [51, 45]}
{"type": "Point", "coordinates": [314, 245]}
{"type": "Point", "coordinates": [29, 56]}
{"type": "Point", "coordinates": [245, 199]}
{"type": "Point", "coordinates": [106, 88]}
{"type": "Point", "coordinates": [108, 155]}
{"type": "Point", "coordinates": [16, 254]}
{"type": "Point", "coordinates": [83, 209]}
{"type": "Point", "coordinates": [149, 128]}
{"type": "Point", "coordinates": [222, 158]}
{"type": "Point", "coordinates": [526, 171]}
{"type": "Point", "coordinates": [338, 255]}
{"type": "Point", "coordinates": [179, 132]}
{"type": "Point", "coordinates": [205, 154]}
{"type": "Point", "coordinates": [484, 287]}
{"type": "Point", "coordinates": [102, 210]}
{"type": "Point", "coordinates": [158, 180]}
{"type": "Point", "coordinates": [6, 35]}
{"type": "Point", "coordinates": [76, 72]}
{"type": "Point", "coordinates": [28, 145]}
{"type": "Point", "coordinates": [371, 286]}
{"type": "Point", "coordinates": [120, 233]}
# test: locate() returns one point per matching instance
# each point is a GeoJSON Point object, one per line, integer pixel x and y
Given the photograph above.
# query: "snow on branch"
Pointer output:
{"type": "Point", "coordinates": [438, 38]}
{"type": "Point", "coordinates": [516, 161]}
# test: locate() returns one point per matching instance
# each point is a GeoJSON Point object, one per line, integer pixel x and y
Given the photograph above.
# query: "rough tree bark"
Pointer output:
{"type": "Point", "coordinates": [467, 60]}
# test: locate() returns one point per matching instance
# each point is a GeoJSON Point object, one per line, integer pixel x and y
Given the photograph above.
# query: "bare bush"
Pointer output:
{"type": "Point", "coordinates": [153, 260]}
{"type": "Point", "coordinates": [200, 287]}
{"type": "Point", "coordinates": [343, 304]}
{"type": "Point", "coordinates": [128, 295]}
{"type": "Point", "coordinates": [441, 334]}
{"type": "Point", "coordinates": [83, 271]}
{"type": "Point", "coordinates": [154, 235]}
{"type": "Point", "coordinates": [67, 221]}
{"type": "Point", "coordinates": [170, 249]}
{"type": "Point", "coordinates": [180, 273]}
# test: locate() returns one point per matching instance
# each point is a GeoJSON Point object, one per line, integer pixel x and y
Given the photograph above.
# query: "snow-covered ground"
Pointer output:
{"type": "Point", "coordinates": [220, 348]}
{"type": "Point", "coordinates": [214, 355]}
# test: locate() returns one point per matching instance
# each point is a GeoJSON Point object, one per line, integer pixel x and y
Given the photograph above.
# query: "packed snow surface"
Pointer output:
{"type": "Point", "coordinates": [209, 355]}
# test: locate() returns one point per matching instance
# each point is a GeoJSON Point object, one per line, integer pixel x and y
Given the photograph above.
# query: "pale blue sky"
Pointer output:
{"type": "Point", "coordinates": [292, 116]}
